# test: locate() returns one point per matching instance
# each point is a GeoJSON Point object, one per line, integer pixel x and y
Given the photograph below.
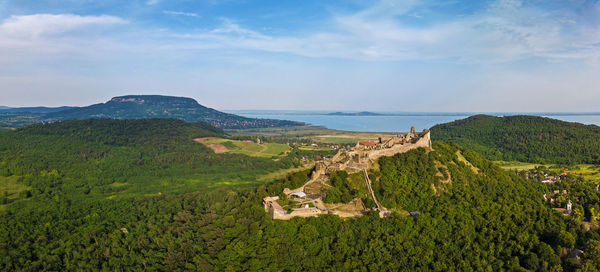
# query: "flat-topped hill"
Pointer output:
{"type": "Point", "coordinates": [144, 106]}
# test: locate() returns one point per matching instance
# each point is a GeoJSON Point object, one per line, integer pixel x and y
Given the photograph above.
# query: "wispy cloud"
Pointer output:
{"type": "Point", "coordinates": [37, 25]}
{"type": "Point", "coordinates": [180, 13]}
{"type": "Point", "coordinates": [382, 46]}
{"type": "Point", "coordinates": [153, 2]}
{"type": "Point", "coordinates": [505, 30]}
{"type": "Point", "coordinates": [502, 31]}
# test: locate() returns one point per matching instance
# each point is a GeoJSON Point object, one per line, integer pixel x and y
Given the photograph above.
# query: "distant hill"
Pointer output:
{"type": "Point", "coordinates": [144, 106]}
{"type": "Point", "coordinates": [4, 107]}
{"type": "Point", "coordinates": [34, 109]}
{"type": "Point", "coordinates": [524, 138]}
{"type": "Point", "coordinates": [362, 113]}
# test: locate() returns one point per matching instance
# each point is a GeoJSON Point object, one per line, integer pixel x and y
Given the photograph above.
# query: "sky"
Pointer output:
{"type": "Point", "coordinates": [430, 55]}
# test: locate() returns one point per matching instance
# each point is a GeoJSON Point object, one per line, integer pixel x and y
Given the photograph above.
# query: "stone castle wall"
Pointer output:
{"type": "Point", "coordinates": [357, 158]}
{"type": "Point", "coordinates": [423, 141]}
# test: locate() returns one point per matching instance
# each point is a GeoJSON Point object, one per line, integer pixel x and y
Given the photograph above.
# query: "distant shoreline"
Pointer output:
{"type": "Point", "coordinates": [383, 113]}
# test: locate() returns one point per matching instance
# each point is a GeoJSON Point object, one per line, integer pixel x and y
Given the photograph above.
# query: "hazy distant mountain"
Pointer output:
{"type": "Point", "coordinates": [146, 106]}
{"type": "Point", "coordinates": [34, 109]}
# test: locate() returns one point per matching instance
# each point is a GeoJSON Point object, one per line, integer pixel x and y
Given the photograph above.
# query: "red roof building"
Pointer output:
{"type": "Point", "coordinates": [367, 143]}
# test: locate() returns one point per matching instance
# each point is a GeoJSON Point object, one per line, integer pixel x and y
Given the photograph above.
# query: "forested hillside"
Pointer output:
{"type": "Point", "coordinates": [123, 157]}
{"type": "Point", "coordinates": [524, 138]}
{"type": "Point", "coordinates": [138, 107]}
{"type": "Point", "coordinates": [485, 221]}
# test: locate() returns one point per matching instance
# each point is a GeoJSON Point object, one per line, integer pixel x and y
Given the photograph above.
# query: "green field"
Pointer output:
{"type": "Point", "coordinates": [265, 150]}
{"type": "Point", "coordinates": [315, 148]}
{"type": "Point", "coordinates": [10, 188]}
{"type": "Point", "coordinates": [519, 166]}
{"type": "Point", "coordinates": [313, 133]}
{"type": "Point", "coordinates": [589, 172]}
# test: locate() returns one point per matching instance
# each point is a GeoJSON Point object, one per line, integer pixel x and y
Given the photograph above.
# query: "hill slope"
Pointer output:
{"type": "Point", "coordinates": [144, 106]}
{"type": "Point", "coordinates": [143, 155]}
{"type": "Point", "coordinates": [484, 220]}
{"type": "Point", "coordinates": [34, 109]}
{"type": "Point", "coordinates": [524, 138]}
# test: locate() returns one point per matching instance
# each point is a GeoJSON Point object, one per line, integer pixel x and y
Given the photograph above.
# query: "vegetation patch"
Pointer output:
{"type": "Point", "coordinates": [12, 190]}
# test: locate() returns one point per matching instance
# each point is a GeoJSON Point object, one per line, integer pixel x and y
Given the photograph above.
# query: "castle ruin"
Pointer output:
{"type": "Point", "coordinates": [352, 160]}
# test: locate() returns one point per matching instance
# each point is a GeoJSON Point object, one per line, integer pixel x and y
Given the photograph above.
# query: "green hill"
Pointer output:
{"type": "Point", "coordinates": [143, 106]}
{"type": "Point", "coordinates": [140, 195]}
{"type": "Point", "coordinates": [524, 138]}
{"type": "Point", "coordinates": [144, 156]}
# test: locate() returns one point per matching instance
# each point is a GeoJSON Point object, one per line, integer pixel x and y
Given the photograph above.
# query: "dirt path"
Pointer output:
{"type": "Point", "coordinates": [266, 147]}
{"type": "Point", "coordinates": [382, 210]}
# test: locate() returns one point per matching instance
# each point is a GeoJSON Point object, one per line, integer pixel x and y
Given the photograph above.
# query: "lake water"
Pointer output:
{"type": "Point", "coordinates": [396, 122]}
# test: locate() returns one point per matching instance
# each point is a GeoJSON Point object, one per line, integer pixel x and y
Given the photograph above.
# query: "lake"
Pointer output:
{"type": "Point", "coordinates": [395, 122]}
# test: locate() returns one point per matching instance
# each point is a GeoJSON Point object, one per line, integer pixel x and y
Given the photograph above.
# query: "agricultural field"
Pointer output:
{"type": "Point", "coordinates": [588, 172]}
{"type": "Point", "coordinates": [313, 133]}
{"type": "Point", "coordinates": [315, 148]}
{"type": "Point", "coordinates": [249, 148]}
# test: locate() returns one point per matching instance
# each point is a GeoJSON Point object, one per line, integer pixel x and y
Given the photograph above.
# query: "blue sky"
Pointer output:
{"type": "Point", "coordinates": [496, 55]}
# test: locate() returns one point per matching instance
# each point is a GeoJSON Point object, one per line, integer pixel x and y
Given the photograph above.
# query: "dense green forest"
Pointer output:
{"type": "Point", "coordinates": [524, 138]}
{"type": "Point", "coordinates": [125, 157]}
{"type": "Point", "coordinates": [483, 220]}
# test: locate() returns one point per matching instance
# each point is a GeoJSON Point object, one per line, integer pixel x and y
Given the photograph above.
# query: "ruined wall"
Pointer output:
{"type": "Point", "coordinates": [424, 141]}
{"type": "Point", "coordinates": [300, 212]}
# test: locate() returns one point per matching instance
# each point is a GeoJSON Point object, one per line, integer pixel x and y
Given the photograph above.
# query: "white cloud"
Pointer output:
{"type": "Point", "coordinates": [37, 25]}
{"type": "Point", "coordinates": [189, 14]}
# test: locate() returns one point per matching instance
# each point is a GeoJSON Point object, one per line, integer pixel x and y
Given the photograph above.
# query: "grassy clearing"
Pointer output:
{"type": "Point", "coordinates": [300, 131]}
{"type": "Point", "coordinates": [317, 134]}
{"type": "Point", "coordinates": [315, 148]}
{"type": "Point", "coordinates": [277, 175]}
{"type": "Point", "coordinates": [253, 149]}
{"type": "Point", "coordinates": [519, 166]}
{"type": "Point", "coordinates": [357, 181]}
{"type": "Point", "coordinates": [589, 172]}
{"type": "Point", "coordinates": [10, 187]}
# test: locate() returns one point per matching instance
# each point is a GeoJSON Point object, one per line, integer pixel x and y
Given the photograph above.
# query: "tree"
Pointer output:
{"type": "Point", "coordinates": [333, 195]}
{"type": "Point", "coordinates": [578, 213]}
{"type": "Point", "coordinates": [592, 252]}
{"type": "Point", "coordinates": [566, 239]}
